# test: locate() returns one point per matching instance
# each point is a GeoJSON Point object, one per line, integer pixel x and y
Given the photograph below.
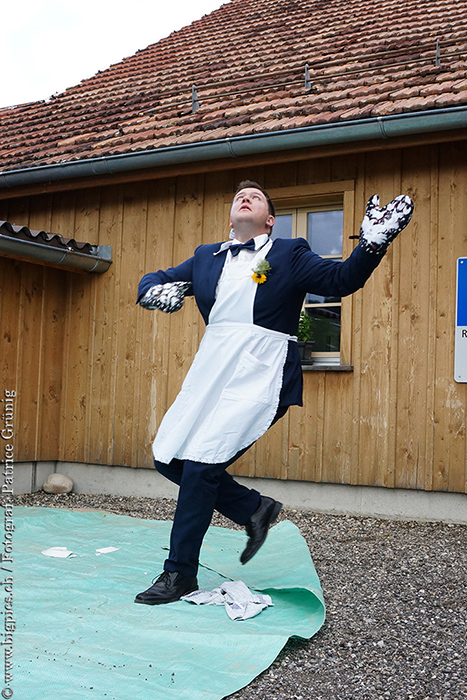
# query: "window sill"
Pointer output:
{"type": "Point", "coordinates": [321, 367]}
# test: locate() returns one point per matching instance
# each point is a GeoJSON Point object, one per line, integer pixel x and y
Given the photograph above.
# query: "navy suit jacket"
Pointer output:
{"type": "Point", "coordinates": [295, 270]}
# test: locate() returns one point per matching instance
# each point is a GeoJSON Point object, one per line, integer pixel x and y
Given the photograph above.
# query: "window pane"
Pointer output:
{"type": "Point", "coordinates": [324, 231]}
{"type": "Point", "coordinates": [326, 328]}
{"type": "Point", "coordinates": [316, 299]}
{"type": "Point", "coordinates": [282, 226]}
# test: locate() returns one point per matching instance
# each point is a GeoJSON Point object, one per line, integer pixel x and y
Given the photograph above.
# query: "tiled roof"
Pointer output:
{"type": "Point", "coordinates": [23, 233]}
{"type": "Point", "coordinates": [366, 58]}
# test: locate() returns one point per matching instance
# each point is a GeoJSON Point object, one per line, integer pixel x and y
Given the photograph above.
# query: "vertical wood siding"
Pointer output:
{"type": "Point", "coordinates": [94, 373]}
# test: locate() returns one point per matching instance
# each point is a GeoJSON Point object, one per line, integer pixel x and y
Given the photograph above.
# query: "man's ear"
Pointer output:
{"type": "Point", "coordinates": [270, 221]}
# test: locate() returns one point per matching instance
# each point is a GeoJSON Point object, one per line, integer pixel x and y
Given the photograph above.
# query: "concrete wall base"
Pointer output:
{"type": "Point", "coordinates": [369, 501]}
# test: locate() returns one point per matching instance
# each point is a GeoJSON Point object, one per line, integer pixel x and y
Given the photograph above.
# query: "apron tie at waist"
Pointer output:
{"type": "Point", "coordinates": [252, 327]}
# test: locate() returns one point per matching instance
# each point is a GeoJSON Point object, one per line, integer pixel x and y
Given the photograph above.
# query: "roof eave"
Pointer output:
{"type": "Point", "coordinates": [384, 127]}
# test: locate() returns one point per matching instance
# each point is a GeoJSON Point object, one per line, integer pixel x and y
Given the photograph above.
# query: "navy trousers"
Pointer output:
{"type": "Point", "coordinates": [203, 489]}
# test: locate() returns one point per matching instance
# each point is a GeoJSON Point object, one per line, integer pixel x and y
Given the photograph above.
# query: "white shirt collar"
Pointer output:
{"type": "Point", "coordinates": [260, 241]}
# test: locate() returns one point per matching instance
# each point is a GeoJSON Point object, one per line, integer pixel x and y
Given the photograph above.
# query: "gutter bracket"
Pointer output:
{"type": "Point", "coordinates": [380, 121]}
{"type": "Point", "coordinates": [230, 147]}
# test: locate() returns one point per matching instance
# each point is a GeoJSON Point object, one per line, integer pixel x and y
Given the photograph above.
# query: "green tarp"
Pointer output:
{"type": "Point", "coordinates": [80, 635]}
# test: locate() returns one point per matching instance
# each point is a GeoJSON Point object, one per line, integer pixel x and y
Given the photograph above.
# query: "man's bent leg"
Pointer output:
{"type": "Point", "coordinates": [232, 496]}
{"type": "Point", "coordinates": [205, 487]}
{"type": "Point", "coordinates": [235, 501]}
{"type": "Point", "coordinates": [196, 502]}
{"type": "Point", "coordinates": [197, 496]}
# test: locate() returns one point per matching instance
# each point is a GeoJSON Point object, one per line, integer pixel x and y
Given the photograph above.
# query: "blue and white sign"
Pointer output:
{"type": "Point", "coordinates": [460, 352]}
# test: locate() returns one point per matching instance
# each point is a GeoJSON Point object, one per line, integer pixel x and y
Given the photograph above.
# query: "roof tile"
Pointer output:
{"type": "Point", "coordinates": [247, 60]}
{"type": "Point", "coordinates": [404, 93]}
{"type": "Point", "coordinates": [363, 90]}
{"type": "Point", "coordinates": [459, 85]}
{"type": "Point", "coordinates": [451, 99]}
{"type": "Point", "coordinates": [384, 109]}
{"type": "Point", "coordinates": [437, 89]}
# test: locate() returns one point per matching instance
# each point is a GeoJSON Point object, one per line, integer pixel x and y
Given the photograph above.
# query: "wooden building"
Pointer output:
{"type": "Point", "coordinates": [323, 110]}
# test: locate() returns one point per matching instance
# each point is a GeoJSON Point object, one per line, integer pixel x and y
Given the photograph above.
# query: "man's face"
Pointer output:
{"type": "Point", "coordinates": [251, 206]}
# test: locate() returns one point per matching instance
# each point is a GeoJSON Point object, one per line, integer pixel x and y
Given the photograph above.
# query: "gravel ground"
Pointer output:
{"type": "Point", "coordinates": [396, 595]}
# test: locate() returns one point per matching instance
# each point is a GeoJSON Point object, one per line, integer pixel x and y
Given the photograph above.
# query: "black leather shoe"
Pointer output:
{"type": "Point", "coordinates": [168, 587]}
{"type": "Point", "coordinates": [258, 525]}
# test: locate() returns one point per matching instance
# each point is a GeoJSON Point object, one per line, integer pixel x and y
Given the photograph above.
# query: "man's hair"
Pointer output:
{"type": "Point", "coordinates": [251, 183]}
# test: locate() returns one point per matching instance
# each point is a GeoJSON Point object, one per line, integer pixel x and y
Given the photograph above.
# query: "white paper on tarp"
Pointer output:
{"type": "Point", "coordinates": [60, 552]}
{"type": "Point", "coordinates": [240, 603]}
{"type": "Point", "coordinates": [106, 550]}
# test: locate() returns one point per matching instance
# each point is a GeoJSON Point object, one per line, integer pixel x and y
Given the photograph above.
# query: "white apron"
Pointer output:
{"type": "Point", "coordinates": [231, 393]}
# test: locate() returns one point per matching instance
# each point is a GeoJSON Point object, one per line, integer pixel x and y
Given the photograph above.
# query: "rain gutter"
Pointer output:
{"type": "Point", "coordinates": [386, 128]}
{"type": "Point", "coordinates": [98, 261]}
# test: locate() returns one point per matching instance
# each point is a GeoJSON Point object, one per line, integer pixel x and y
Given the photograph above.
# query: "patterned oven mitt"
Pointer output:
{"type": "Point", "coordinates": [381, 225]}
{"type": "Point", "coordinates": [168, 297]}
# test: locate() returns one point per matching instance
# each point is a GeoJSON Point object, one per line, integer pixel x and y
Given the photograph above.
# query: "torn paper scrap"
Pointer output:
{"type": "Point", "coordinates": [106, 550]}
{"type": "Point", "coordinates": [240, 603]}
{"type": "Point", "coordinates": [61, 552]}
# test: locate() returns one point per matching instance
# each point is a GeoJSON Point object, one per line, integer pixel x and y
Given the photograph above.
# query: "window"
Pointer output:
{"type": "Point", "coordinates": [322, 227]}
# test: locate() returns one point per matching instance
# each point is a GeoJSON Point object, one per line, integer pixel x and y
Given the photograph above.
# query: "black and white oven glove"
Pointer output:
{"type": "Point", "coordinates": [382, 224]}
{"type": "Point", "coordinates": [168, 297]}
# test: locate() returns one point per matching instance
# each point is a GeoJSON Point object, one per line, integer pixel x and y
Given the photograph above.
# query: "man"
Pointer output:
{"type": "Point", "coordinates": [250, 291]}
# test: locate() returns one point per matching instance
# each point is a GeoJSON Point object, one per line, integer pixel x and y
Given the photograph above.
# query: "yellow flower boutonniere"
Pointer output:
{"type": "Point", "coordinates": [260, 273]}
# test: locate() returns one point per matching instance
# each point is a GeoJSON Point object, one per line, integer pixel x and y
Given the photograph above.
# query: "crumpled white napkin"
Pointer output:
{"type": "Point", "coordinates": [61, 552]}
{"type": "Point", "coordinates": [240, 603]}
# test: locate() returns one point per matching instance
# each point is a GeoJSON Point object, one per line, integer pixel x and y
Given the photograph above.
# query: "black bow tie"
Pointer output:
{"type": "Point", "coordinates": [237, 247]}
